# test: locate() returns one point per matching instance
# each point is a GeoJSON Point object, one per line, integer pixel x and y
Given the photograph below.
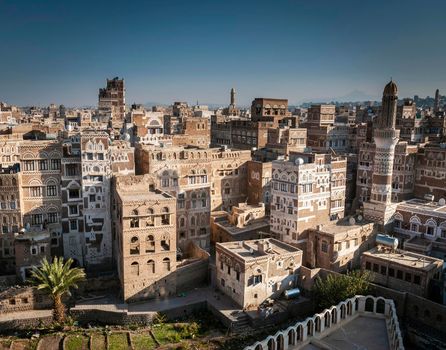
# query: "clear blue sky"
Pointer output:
{"type": "Point", "coordinates": [167, 50]}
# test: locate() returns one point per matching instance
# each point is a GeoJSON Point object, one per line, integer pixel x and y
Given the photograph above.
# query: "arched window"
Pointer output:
{"type": "Point", "coordinates": [397, 220]}
{"type": "Point", "coordinates": [150, 244]}
{"type": "Point", "coordinates": [134, 268]}
{"type": "Point", "coordinates": [165, 243]}
{"type": "Point", "coordinates": [165, 217]}
{"type": "Point", "coordinates": [166, 264]}
{"type": "Point", "coordinates": [150, 220]}
{"type": "Point", "coordinates": [431, 227]}
{"type": "Point", "coordinates": [414, 224]}
{"type": "Point", "coordinates": [151, 266]}
{"type": "Point", "coordinates": [134, 245]}
{"type": "Point", "coordinates": [134, 223]}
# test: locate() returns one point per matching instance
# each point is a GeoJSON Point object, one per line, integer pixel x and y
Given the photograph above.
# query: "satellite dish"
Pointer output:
{"type": "Point", "coordinates": [442, 201]}
{"type": "Point", "coordinates": [352, 221]}
{"type": "Point", "coordinates": [360, 217]}
{"type": "Point", "coordinates": [299, 161]}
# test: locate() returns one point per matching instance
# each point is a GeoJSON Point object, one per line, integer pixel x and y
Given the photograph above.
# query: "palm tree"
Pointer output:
{"type": "Point", "coordinates": [56, 279]}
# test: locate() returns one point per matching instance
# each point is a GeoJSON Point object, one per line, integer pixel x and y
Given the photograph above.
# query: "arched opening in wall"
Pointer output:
{"type": "Point", "coordinates": [427, 313]}
{"type": "Point", "coordinates": [380, 306]}
{"type": "Point", "coordinates": [166, 264]}
{"type": "Point", "coordinates": [259, 347]}
{"type": "Point", "coordinates": [165, 216]}
{"type": "Point", "coordinates": [369, 304]}
{"type": "Point", "coordinates": [165, 243]}
{"type": "Point", "coordinates": [280, 342]}
{"type": "Point", "coordinates": [291, 337]}
{"type": "Point", "coordinates": [134, 268]}
{"type": "Point", "coordinates": [134, 223]}
{"type": "Point", "coordinates": [150, 219]}
{"type": "Point", "coordinates": [310, 328]}
{"type": "Point", "coordinates": [327, 319]}
{"type": "Point", "coordinates": [318, 324]}
{"type": "Point", "coordinates": [356, 304]}
{"type": "Point", "coordinates": [150, 244]}
{"type": "Point", "coordinates": [151, 266]}
{"type": "Point", "coordinates": [349, 308]}
{"type": "Point", "coordinates": [134, 245]}
{"type": "Point", "coordinates": [271, 344]}
{"type": "Point", "coordinates": [343, 311]}
{"type": "Point", "coordinates": [334, 316]}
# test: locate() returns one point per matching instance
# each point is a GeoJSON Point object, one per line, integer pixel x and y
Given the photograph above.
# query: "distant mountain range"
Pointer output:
{"type": "Point", "coordinates": [354, 96]}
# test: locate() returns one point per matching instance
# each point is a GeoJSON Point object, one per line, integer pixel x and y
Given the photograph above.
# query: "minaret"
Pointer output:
{"type": "Point", "coordinates": [380, 208]}
{"type": "Point", "coordinates": [232, 104]}
{"type": "Point", "coordinates": [437, 101]}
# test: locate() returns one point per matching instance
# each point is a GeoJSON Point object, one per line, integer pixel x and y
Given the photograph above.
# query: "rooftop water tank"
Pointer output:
{"type": "Point", "coordinates": [387, 241]}
{"type": "Point", "coordinates": [292, 293]}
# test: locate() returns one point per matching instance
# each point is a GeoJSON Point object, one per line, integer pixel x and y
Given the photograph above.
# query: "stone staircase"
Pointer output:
{"type": "Point", "coordinates": [241, 325]}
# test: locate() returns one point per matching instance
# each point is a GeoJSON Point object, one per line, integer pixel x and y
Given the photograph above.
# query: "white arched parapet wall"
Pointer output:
{"type": "Point", "coordinates": [301, 331]}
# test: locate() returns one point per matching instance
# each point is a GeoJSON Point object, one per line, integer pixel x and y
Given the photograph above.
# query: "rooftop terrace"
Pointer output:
{"type": "Point", "coordinates": [253, 249]}
{"type": "Point", "coordinates": [361, 322]}
{"type": "Point", "coordinates": [405, 258]}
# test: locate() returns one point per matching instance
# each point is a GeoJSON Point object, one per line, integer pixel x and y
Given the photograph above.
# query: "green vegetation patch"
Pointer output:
{"type": "Point", "coordinates": [118, 341]}
{"type": "Point", "coordinates": [97, 341]}
{"type": "Point", "coordinates": [338, 287]}
{"type": "Point", "coordinates": [76, 342]}
{"type": "Point", "coordinates": [143, 342]}
{"type": "Point", "coordinates": [167, 333]}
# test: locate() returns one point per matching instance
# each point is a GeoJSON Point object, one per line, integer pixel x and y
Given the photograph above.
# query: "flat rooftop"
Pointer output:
{"type": "Point", "coordinates": [360, 333]}
{"type": "Point", "coordinates": [405, 258]}
{"type": "Point", "coordinates": [142, 195]}
{"type": "Point", "coordinates": [416, 204]}
{"type": "Point", "coordinates": [253, 225]}
{"type": "Point", "coordinates": [343, 226]}
{"type": "Point", "coordinates": [256, 248]}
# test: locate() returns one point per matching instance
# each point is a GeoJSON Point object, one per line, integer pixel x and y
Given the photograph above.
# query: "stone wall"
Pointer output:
{"type": "Point", "coordinates": [192, 275]}
{"type": "Point", "coordinates": [103, 283]}
{"type": "Point", "coordinates": [16, 299]}
{"type": "Point", "coordinates": [111, 317]}
{"type": "Point", "coordinates": [29, 323]}
{"type": "Point", "coordinates": [86, 316]}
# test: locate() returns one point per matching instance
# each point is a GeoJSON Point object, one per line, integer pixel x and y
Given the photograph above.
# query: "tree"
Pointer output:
{"type": "Point", "coordinates": [56, 279]}
{"type": "Point", "coordinates": [336, 288]}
